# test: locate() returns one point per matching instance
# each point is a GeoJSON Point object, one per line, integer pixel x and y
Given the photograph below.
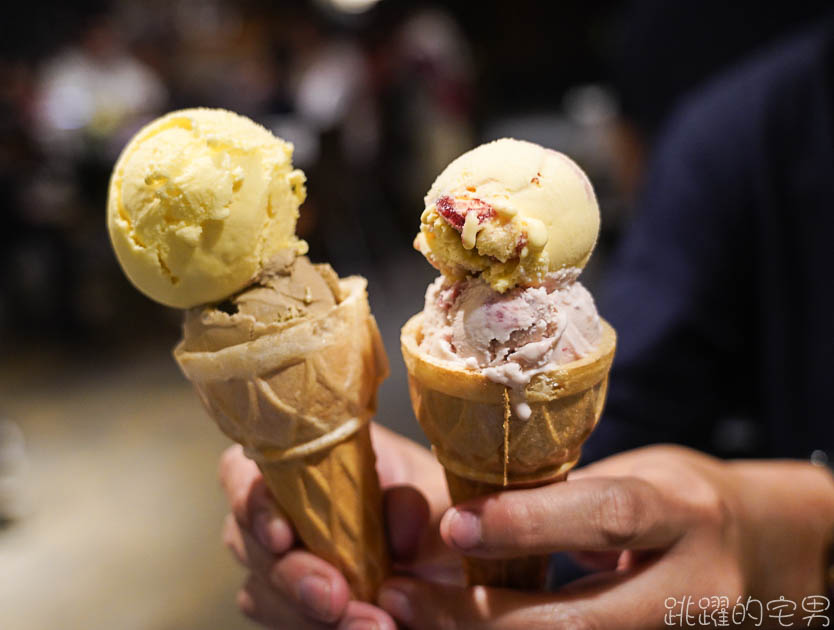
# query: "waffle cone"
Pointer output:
{"type": "Point", "coordinates": [485, 447]}
{"type": "Point", "coordinates": [299, 400]}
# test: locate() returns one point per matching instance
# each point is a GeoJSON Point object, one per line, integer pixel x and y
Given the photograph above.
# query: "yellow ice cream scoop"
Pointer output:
{"type": "Point", "coordinates": [199, 201]}
{"type": "Point", "coordinates": [510, 211]}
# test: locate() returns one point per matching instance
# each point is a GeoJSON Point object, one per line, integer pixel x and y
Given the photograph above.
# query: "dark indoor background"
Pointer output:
{"type": "Point", "coordinates": [110, 513]}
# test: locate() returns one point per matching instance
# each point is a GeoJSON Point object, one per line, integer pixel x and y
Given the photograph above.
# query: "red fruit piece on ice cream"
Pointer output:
{"type": "Point", "coordinates": [446, 209]}
{"type": "Point", "coordinates": [455, 210]}
{"type": "Point", "coordinates": [522, 243]}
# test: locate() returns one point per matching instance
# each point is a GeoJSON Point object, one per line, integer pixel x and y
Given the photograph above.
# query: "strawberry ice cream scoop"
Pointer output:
{"type": "Point", "coordinates": [512, 336]}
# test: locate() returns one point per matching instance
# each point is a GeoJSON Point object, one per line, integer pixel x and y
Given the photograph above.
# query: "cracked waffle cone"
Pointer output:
{"type": "Point", "coordinates": [484, 447]}
{"type": "Point", "coordinates": [299, 401]}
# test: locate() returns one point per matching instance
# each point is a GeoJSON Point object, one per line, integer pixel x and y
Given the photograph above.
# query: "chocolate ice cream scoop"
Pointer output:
{"type": "Point", "coordinates": [288, 288]}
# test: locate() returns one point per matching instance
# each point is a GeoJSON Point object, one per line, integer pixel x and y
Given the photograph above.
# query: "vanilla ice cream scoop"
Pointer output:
{"type": "Point", "coordinates": [199, 201]}
{"type": "Point", "coordinates": [510, 211]}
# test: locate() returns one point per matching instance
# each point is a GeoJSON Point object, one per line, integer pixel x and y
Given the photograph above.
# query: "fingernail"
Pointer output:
{"type": "Point", "coordinates": [465, 529]}
{"type": "Point", "coordinates": [362, 624]}
{"type": "Point", "coordinates": [314, 593]}
{"type": "Point", "coordinates": [396, 603]}
{"type": "Point", "coordinates": [271, 531]}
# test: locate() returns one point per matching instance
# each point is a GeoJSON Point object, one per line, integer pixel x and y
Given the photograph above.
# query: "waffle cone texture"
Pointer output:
{"type": "Point", "coordinates": [299, 400]}
{"type": "Point", "coordinates": [485, 447]}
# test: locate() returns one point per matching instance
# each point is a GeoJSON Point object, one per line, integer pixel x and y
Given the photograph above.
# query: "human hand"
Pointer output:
{"type": "Point", "coordinates": [288, 587]}
{"type": "Point", "coordinates": [658, 522]}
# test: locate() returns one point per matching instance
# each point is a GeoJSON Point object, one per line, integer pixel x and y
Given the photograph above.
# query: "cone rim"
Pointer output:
{"type": "Point", "coordinates": [472, 384]}
{"type": "Point", "coordinates": [248, 358]}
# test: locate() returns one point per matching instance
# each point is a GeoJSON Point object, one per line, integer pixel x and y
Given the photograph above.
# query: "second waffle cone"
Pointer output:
{"type": "Point", "coordinates": [485, 447]}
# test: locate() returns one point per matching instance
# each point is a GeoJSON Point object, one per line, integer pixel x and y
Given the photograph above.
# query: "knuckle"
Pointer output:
{"type": "Point", "coordinates": [619, 516]}
{"type": "Point", "coordinates": [246, 604]}
{"type": "Point", "coordinates": [239, 504]}
{"type": "Point", "coordinates": [247, 599]}
{"type": "Point", "coordinates": [518, 523]}
{"type": "Point", "coordinates": [228, 459]}
{"type": "Point", "coordinates": [228, 533]}
{"type": "Point", "coordinates": [567, 617]}
{"type": "Point", "coordinates": [232, 541]}
{"type": "Point", "coordinates": [710, 506]}
{"type": "Point", "coordinates": [282, 574]}
{"type": "Point", "coordinates": [719, 514]}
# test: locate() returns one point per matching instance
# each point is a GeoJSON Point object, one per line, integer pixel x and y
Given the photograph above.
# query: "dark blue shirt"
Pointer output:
{"type": "Point", "coordinates": [722, 293]}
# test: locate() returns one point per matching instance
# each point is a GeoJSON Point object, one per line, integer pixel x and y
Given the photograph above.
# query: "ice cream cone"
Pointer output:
{"type": "Point", "coordinates": [484, 446]}
{"type": "Point", "coordinates": [299, 400]}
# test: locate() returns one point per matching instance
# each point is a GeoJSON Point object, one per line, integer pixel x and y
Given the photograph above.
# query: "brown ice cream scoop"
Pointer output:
{"type": "Point", "coordinates": [289, 288]}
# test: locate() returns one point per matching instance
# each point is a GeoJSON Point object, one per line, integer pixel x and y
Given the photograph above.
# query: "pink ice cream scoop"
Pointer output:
{"type": "Point", "coordinates": [512, 336]}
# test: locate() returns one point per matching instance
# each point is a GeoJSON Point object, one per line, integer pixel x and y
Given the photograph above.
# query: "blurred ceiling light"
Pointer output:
{"type": "Point", "coordinates": [349, 6]}
{"type": "Point", "coordinates": [590, 104]}
{"type": "Point", "coordinates": [329, 85]}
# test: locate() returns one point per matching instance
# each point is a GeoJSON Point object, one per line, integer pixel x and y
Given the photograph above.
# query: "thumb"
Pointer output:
{"type": "Point", "coordinates": [592, 514]}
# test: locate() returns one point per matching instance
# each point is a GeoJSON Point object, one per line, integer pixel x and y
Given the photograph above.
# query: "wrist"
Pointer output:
{"type": "Point", "coordinates": [824, 460]}
{"type": "Point", "coordinates": [786, 509]}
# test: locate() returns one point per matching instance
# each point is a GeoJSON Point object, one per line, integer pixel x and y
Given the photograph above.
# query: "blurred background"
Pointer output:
{"type": "Point", "coordinates": [109, 509]}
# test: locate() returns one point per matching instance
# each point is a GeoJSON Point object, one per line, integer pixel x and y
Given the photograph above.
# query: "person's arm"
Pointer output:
{"type": "Point", "coordinates": [788, 511]}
